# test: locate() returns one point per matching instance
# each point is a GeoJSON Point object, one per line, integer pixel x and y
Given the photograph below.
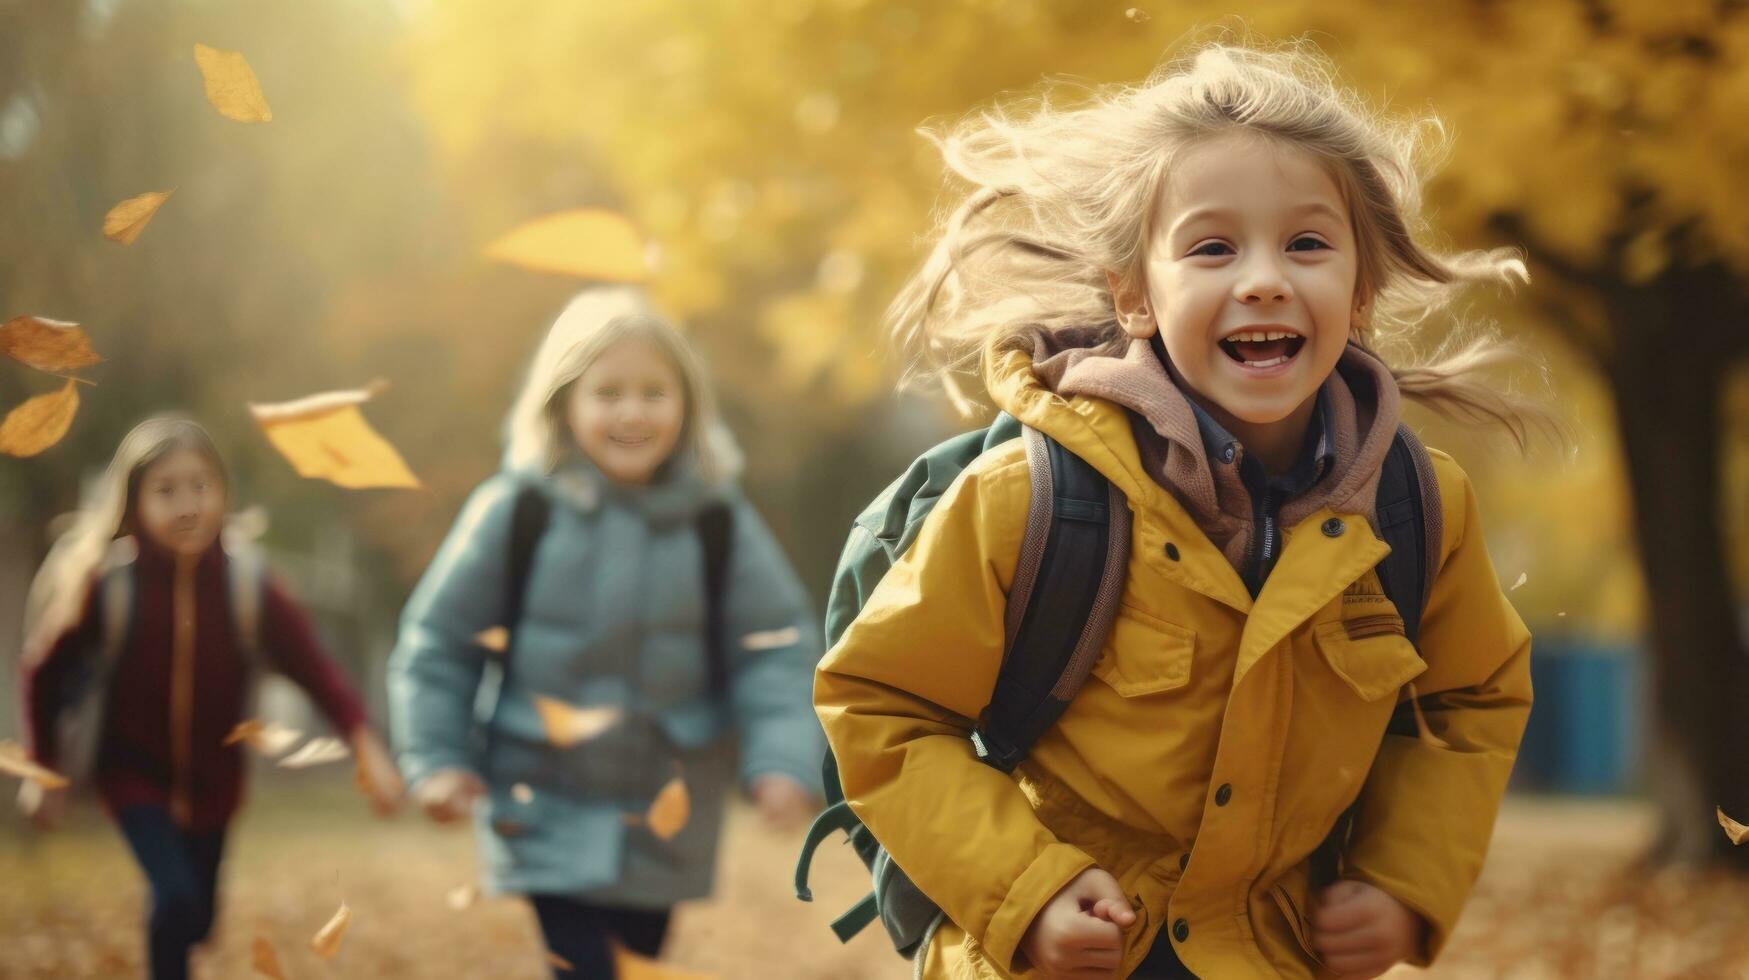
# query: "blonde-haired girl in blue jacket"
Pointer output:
{"type": "Point", "coordinates": [615, 444]}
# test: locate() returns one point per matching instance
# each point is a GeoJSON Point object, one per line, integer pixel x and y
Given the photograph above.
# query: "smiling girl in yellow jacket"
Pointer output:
{"type": "Point", "coordinates": [1182, 282]}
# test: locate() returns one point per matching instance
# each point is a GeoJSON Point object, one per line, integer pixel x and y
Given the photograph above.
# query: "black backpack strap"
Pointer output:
{"type": "Point", "coordinates": [715, 526]}
{"type": "Point", "coordinates": [1410, 521]}
{"type": "Point", "coordinates": [528, 523]}
{"type": "Point", "coordinates": [1074, 558]}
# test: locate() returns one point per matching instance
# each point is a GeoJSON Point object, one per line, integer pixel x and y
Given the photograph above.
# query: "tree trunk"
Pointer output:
{"type": "Point", "coordinates": [1669, 385]}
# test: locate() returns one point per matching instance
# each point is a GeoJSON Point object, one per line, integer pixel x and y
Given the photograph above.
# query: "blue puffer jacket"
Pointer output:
{"type": "Point", "coordinates": [614, 616]}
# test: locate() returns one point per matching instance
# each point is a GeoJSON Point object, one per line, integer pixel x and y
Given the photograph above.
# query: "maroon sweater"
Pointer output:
{"type": "Point", "coordinates": [159, 748]}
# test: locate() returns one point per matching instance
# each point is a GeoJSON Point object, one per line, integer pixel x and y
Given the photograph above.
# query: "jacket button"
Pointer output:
{"type": "Point", "coordinates": [1227, 454]}
{"type": "Point", "coordinates": [1181, 930]}
{"type": "Point", "coordinates": [1334, 527]}
{"type": "Point", "coordinates": [1223, 794]}
{"type": "Point", "coordinates": [1184, 860]}
{"type": "Point", "coordinates": [1171, 551]}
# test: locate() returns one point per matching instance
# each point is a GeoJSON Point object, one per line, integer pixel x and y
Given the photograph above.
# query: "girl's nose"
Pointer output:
{"type": "Point", "coordinates": [1261, 282]}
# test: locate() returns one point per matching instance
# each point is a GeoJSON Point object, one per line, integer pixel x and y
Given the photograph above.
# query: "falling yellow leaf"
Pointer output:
{"type": "Point", "coordinates": [495, 639]}
{"type": "Point", "coordinates": [522, 793]}
{"type": "Point", "coordinates": [1137, 14]}
{"type": "Point", "coordinates": [1426, 733]}
{"type": "Point", "coordinates": [1734, 830]}
{"type": "Point", "coordinates": [47, 345]}
{"type": "Point", "coordinates": [317, 751]}
{"type": "Point", "coordinates": [266, 737]}
{"type": "Point", "coordinates": [463, 897]}
{"type": "Point", "coordinates": [126, 220]}
{"type": "Point", "coordinates": [325, 437]}
{"type": "Point", "coordinates": [568, 725]}
{"type": "Point", "coordinates": [587, 243]}
{"type": "Point", "coordinates": [14, 762]}
{"type": "Point", "coordinates": [39, 422]}
{"type": "Point", "coordinates": [265, 959]}
{"type": "Point", "coordinates": [231, 85]}
{"type": "Point", "coordinates": [327, 942]}
{"type": "Point", "coordinates": [670, 811]}
{"type": "Point", "coordinates": [1523, 577]}
{"type": "Point", "coordinates": [555, 960]}
{"type": "Point", "coordinates": [628, 965]}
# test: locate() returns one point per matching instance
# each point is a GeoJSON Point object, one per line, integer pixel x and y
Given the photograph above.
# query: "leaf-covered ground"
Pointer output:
{"type": "Point", "coordinates": [1558, 899]}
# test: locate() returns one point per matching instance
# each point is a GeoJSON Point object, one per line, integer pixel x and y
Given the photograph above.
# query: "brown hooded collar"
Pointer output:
{"type": "Point", "coordinates": [1361, 395]}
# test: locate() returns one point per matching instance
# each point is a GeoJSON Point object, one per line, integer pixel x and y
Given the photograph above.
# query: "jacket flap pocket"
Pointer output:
{"type": "Point", "coordinates": [1145, 655]}
{"type": "Point", "coordinates": [1371, 654]}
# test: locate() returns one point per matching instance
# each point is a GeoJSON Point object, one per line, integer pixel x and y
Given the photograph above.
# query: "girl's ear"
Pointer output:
{"type": "Point", "coordinates": [1131, 304]}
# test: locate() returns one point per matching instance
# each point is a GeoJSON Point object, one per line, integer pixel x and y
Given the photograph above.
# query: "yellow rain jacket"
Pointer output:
{"type": "Point", "coordinates": [1216, 743]}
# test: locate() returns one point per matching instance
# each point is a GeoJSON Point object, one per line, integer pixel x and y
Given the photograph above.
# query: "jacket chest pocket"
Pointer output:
{"type": "Point", "coordinates": [1145, 655]}
{"type": "Point", "coordinates": [1371, 654]}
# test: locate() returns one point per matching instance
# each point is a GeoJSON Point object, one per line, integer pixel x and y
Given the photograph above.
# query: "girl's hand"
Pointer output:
{"type": "Point", "coordinates": [1362, 931]}
{"type": "Point", "coordinates": [375, 772]}
{"type": "Point", "coordinates": [448, 794]}
{"type": "Point", "coordinates": [785, 804]}
{"type": "Point", "coordinates": [1079, 932]}
{"type": "Point", "coordinates": [44, 807]}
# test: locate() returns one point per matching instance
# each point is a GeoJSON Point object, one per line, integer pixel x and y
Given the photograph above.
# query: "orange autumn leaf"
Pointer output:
{"type": "Point", "coordinates": [265, 737]}
{"type": "Point", "coordinates": [567, 725]}
{"type": "Point", "coordinates": [555, 960]}
{"type": "Point", "coordinates": [325, 437]}
{"type": "Point", "coordinates": [265, 959]}
{"type": "Point", "coordinates": [1734, 830]}
{"type": "Point", "coordinates": [327, 942]}
{"type": "Point", "coordinates": [588, 243]}
{"type": "Point", "coordinates": [14, 762]}
{"type": "Point", "coordinates": [231, 85]}
{"type": "Point", "coordinates": [126, 220]}
{"type": "Point", "coordinates": [47, 345]}
{"type": "Point", "coordinates": [628, 965]}
{"type": "Point", "coordinates": [38, 423]}
{"type": "Point", "coordinates": [495, 639]}
{"type": "Point", "coordinates": [670, 811]}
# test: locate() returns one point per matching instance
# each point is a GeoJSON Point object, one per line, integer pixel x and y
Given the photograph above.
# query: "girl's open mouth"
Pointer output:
{"type": "Point", "coordinates": [1263, 349]}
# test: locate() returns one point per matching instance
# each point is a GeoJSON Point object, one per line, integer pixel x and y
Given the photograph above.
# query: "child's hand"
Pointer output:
{"type": "Point", "coordinates": [448, 794]}
{"type": "Point", "coordinates": [1079, 932]}
{"type": "Point", "coordinates": [44, 807]}
{"type": "Point", "coordinates": [376, 773]}
{"type": "Point", "coordinates": [784, 803]}
{"type": "Point", "coordinates": [1362, 931]}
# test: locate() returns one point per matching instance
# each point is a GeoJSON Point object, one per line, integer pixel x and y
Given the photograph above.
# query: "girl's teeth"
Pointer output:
{"type": "Point", "coordinates": [1272, 362]}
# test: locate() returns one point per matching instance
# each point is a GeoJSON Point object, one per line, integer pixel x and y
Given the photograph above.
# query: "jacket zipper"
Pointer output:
{"type": "Point", "coordinates": [182, 692]}
{"type": "Point", "coordinates": [1265, 539]}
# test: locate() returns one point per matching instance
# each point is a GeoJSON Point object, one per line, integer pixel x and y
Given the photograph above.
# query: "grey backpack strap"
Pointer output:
{"type": "Point", "coordinates": [246, 582]}
{"type": "Point", "coordinates": [1074, 557]}
{"type": "Point", "coordinates": [1410, 521]}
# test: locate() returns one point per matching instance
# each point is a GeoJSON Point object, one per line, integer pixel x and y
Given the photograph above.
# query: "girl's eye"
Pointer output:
{"type": "Point", "coordinates": [655, 394]}
{"type": "Point", "coordinates": [1306, 243]}
{"type": "Point", "coordinates": [1212, 248]}
{"type": "Point", "coordinates": [607, 393]}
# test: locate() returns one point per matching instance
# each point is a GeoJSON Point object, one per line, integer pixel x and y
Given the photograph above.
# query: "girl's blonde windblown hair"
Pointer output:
{"type": "Point", "coordinates": [57, 594]}
{"type": "Point", "coordinates": [1060, 196]}
{"type": "Point", "coordinates": [536, 434]}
